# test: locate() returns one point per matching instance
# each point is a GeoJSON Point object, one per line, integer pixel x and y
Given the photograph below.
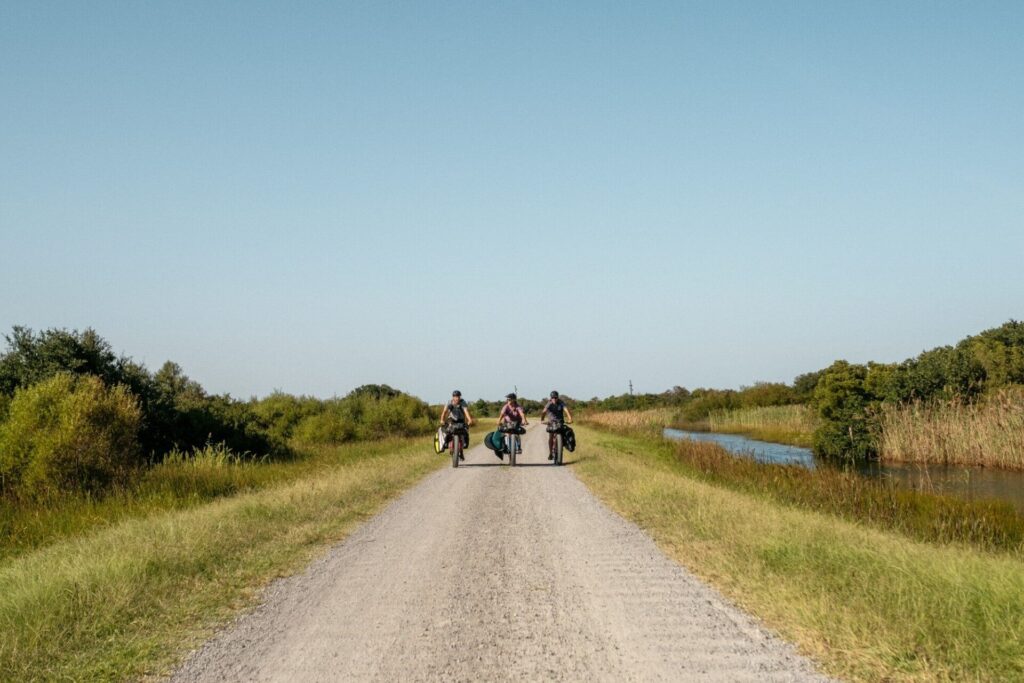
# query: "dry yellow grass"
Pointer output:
{"type": "Point", "coordinates": [654, 419]}
{"type": "Point", "coordinates": [793, 424]}
{"type": "Point", "coordinates": [989, 433]}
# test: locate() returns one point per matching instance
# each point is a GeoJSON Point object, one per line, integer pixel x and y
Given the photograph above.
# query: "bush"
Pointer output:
{"type": "Point", "coordinates": [69, 433]}
{"type": "Point", "coordinates": [330, 427]}
{"type": "Point", "coordinates": [842, 402]}
{"type": "Point", "coordinates": [281, 413]}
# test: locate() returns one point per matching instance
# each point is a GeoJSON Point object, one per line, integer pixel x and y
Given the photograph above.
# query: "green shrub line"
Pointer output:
{"type": "Point", "coordinates": [934, 518]}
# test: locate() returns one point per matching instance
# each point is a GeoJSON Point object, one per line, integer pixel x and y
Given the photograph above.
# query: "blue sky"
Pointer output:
{"type": "Point", "coordinates": [313, 196]}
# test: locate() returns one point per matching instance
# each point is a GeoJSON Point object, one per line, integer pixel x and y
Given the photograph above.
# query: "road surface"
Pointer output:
{"type": "Point", "coordinates": [490, 573]}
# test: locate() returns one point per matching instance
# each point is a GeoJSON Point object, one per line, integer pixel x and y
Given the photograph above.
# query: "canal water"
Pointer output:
{"type": "Point", "coordinates": [966, 482]}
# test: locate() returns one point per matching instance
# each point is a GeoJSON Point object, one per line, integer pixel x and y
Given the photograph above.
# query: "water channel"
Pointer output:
{"type": "Point", "coordinates": [966, 482]}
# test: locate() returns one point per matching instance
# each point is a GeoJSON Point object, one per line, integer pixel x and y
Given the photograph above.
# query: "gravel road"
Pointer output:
{"type": "Point", "coordinates": [486, 572]}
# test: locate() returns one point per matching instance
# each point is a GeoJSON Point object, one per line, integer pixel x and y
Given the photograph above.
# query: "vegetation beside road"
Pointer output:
{"type": "Point", "coordinates": [792, 424]}
{"type": "Point", "coordinates": [987, 432]}
{"type": "Point", "coordinates": [126, 600]}
{"type": "Point", "coordinates": [868, 604]}
{"type": "Point", "coordinates": [949, 405]}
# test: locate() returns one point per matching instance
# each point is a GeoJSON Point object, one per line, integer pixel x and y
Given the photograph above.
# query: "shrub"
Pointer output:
{"type": "Point", "coordinates": [281, 413]}
{"type": "Point", "coordinates": [842, 401]}
{"type": "Point", "coordinates": [330, 427]}
{"type": "Point", "coordinates": [69, 433]}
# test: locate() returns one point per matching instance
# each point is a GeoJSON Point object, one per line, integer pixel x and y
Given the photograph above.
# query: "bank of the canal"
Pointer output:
{"type": "Point", "coordinates": [869, 603]}
{"type": "Point", "coordinates": [966, 482]}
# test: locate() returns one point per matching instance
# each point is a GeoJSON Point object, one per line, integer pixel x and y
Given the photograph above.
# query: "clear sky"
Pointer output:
{"type": "Point", "coordinates": [313, 196]}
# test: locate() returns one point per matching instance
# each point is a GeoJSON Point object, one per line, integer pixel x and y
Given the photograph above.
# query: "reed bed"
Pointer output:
{"type": "Point", "coordinates": [792, 424]}
{"type": "Point", "coordinates": [649, 421]}
{"type": "Point", "coordinates": [989, 433]}
{"type": "Point", "coordinates": [881, 503]}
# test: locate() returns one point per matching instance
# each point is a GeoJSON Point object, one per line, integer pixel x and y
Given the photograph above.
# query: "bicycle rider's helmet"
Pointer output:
{"type": "Point", "coordinates": [457, 393]}
{"type": "Point", "coordinates": [554, 394]}
{"type": "Point", "coordinates": [510, 397]}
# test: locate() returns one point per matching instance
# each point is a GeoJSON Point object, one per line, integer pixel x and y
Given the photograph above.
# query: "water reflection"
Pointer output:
{"type": "Point", "coordinates": [966, 482]}
{"type": "Point", "coordinates": [763, 451]}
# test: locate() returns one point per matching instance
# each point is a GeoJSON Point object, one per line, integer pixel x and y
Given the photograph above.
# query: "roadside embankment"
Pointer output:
{"type": "Point", "coordinates": [126, 598]}
{"type": "Point", "coordinates": [869, 604]}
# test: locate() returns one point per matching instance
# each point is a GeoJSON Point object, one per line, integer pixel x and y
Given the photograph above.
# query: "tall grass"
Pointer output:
{"type": "Point", "coordinates": [882, 503]}
{"type": "Point", "coordinates": [868, 604]}
{"type": "Point", "coordinates": [988, 433]}
{"type": "Point", "coordinates": [792, 424]}
{"type": "Point", "coordinates": [124, 601]}
{"type": "Point", "coordinates": [649, 421]}
{"type": "Point", "coordinates": [925, 516]}
{"type": "Point", "coordinates": [185, 479]}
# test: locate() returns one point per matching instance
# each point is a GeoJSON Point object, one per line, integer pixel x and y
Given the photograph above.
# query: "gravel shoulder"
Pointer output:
{"type": "Point", "coordinates": [490, 572]}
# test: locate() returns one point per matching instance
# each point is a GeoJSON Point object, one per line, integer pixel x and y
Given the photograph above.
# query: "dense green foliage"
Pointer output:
{"type": "Point", "coordinates": [75, 416]}
{"type": "Point", "coordinates": [695, 406]}
{"type": "Point", "coordinates": [68, 432]}
{"type": "Point", "coordinates": [849, 397]}
{"type": "Point", "coordinates": [369, 412]}
{"type": "Point", "coordinates": [176, 411]}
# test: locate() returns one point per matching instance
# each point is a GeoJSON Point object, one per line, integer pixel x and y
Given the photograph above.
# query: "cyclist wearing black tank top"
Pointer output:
{"type": "Point", "coordinates": [456, 410]}
{"type": "Point", "coordinates": [556, 410]}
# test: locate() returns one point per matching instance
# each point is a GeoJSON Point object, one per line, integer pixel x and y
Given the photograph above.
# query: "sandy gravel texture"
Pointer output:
{"type": "Point", "coordinates": [491, 573]}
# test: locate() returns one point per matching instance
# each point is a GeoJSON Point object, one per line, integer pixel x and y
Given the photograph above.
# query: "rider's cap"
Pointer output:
{"type": "Point", "coordinates": [554, 394]}
{"type": "Point", "coordinates": [456, 393]}
{"type": "Point", "coordinates": [510, 397]}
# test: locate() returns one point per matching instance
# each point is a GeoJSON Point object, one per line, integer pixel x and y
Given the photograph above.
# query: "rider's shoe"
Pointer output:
{"type": "Point", "coordinates": [461, 456]}
{"type": "Point", "coordinates": [551, 456]}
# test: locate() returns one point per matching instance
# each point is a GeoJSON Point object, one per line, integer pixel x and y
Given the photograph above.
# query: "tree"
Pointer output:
{"type": "Point", "coordinates": [843, 404]}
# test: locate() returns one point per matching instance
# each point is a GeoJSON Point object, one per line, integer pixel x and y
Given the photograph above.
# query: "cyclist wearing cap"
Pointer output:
{"type": "Point", "coordinates": [456, 410]}
{"type": "Point", "coordinates": [557, 410]}
{"type": "Point", "coordinates": [514, 413]}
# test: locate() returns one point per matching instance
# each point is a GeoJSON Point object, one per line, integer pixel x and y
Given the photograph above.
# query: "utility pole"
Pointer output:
{"type": "Point", "coordinates": [630, 387]}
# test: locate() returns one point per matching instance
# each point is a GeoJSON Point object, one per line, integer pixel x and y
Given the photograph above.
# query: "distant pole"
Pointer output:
{"type": "Point", "coordinates": [630, 387]}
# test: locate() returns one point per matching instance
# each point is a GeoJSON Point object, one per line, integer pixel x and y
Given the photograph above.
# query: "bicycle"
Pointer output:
{"type": "Point", "coordinates": [556, 436]}
{"type": "Point", "coordinates": [512, 440]}
{"type": "Point", "coordinates": [456, 430]}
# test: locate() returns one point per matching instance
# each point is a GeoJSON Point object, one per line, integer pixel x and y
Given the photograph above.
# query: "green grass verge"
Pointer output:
{"type": "Point", "coordinates": [867, 604]}
{"type": "Point", "coordinates": [127, 598]}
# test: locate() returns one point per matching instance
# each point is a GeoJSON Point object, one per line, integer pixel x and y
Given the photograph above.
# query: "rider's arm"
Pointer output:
{"type": "Point", "coordinates": [522, 414]}
{"type": "Point", "coordinates": [444, 413]}
{"type": "Point", "coordinates": [469, 418]}
{"type": "Point", "coordinates": [568, 414]}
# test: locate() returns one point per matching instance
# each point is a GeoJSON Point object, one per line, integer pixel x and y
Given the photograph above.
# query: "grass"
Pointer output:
{"type": "Point", "coordinates": [792, 424]}
{"type": "Point", "coordinates": [118, 588]}
{"type": "Point", "coordinates": [989, 433]}
{"type": "Point", "coordinates": [867, 604]}
{"type": "Point", "coordinates": [182, 481]}
{"type": "Point", "coordinates": [649, 421]}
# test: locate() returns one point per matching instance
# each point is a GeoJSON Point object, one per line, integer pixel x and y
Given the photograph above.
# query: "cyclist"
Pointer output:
{"type": "Point", "coordinates": [514, 413]}
{"type": "Point", "coordinates": [557, 410]}
{"type": "Point", "coordinates": [456, 410]}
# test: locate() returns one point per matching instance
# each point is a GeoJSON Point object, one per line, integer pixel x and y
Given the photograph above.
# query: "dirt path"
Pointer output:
{"type": "Point", "coordinates": [484, 573]}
